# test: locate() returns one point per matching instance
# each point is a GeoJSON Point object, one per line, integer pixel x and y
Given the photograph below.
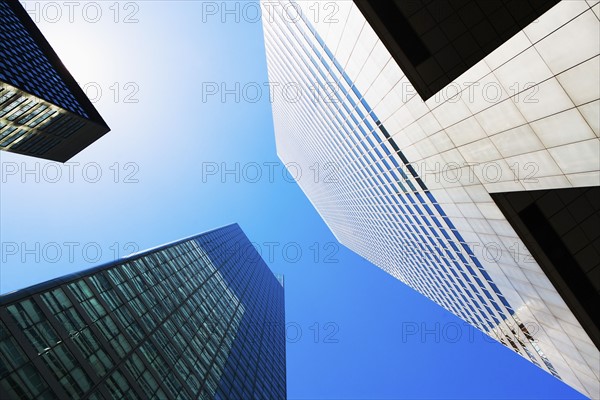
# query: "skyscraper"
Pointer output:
{"type": "Point", "coordinates": [43, 112]}
{"type": "Point", "coordinates": [200, 318]}
{"type": "Point", "coordinates": [455, 145]}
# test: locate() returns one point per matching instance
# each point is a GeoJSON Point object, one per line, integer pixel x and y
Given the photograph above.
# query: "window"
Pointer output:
{"type": "Point", "coordinates": [31, 320]}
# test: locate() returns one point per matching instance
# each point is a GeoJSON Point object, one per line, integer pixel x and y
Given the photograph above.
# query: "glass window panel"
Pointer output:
{"type": "Point", "coordinates": [101, 282]}
{"type": "Point", "coordinates": [12, 355]}
{"type": "Point", "coordinates": [149, 382]}
{"type": "Point", "coordinates": [26, 313]}
{"type": "Point", "coordinates": [71, 320]}
{"type": "Point", "coordinates": [56, 300]}
{"type": "Point", "coordinates": [81, 290]}
{"type": "Point", "coordinates": [32, 379]}
{"type": "Point", "coordinates": [14, 387]}
{"type": "Point", "coordinates": [42, 336]}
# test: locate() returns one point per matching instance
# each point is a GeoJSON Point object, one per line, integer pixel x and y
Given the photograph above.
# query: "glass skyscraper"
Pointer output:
{"type": "Point", "coordinates": [200, 318]}
{"type": "Point", "coordinates": [456, 145]}
{"type": "Point", "coordinates": [43, 111]}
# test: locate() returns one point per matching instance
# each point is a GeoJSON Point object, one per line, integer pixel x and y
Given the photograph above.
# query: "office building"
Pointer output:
{"type": "Point", "coordinates": [43, 111]}
{"type": "Point", "coordinates": [200, 318]}
{"type": "Point", "coordinates": [456, 145]}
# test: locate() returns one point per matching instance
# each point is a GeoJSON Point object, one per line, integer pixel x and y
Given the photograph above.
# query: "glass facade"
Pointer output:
{"type": "Point", "coordinates": [199, 319]}
{"type": "Point", "coordinates": [25, 65]}
{"type": "Point", "coordinates": [41, 105]}
{"type": "Point", "coordinates": [407, 181]}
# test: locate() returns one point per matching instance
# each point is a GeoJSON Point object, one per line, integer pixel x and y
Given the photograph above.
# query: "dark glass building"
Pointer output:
{"type": "Point", "coordinates": [201, 318]}
{"type": "Point", "coordinates": [43, 111]}
{"type": "Point", "coordinates": [435, 42]}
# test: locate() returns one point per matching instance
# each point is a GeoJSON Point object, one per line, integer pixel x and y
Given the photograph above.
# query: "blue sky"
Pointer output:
{"type": "Point", "coordinates": [354, 332]}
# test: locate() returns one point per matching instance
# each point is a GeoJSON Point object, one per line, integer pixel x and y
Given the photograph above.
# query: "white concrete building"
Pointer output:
{"type": "Point", "coordinates": [471, 174]}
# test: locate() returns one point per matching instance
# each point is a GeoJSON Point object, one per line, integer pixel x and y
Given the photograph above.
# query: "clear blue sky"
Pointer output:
{"type": "Point", "coordinates": [160, 145]}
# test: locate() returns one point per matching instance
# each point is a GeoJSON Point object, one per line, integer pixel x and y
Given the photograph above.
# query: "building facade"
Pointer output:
{"type": "Point", "coordinates": [457, 145]}
{"type": "Point", "coordinates": [201, 318]}
{"type": "Point", "coordinates": [43, 111]}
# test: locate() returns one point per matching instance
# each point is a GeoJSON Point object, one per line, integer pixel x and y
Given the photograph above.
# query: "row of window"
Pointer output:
{"type": "Point", "coordinates": [25, 122]}
{"type": "Point", "coordinates": [448, 272]}
{"type": "Point", "coordinates": [24, 64]}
